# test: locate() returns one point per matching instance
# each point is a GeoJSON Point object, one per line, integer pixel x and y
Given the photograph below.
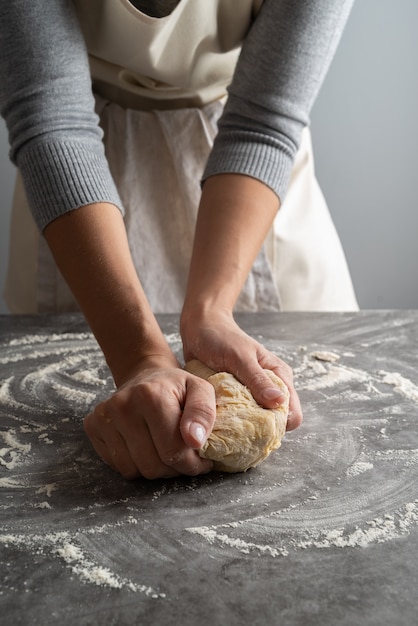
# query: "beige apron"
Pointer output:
{"type": "Point", "coordinates": [157, 157]}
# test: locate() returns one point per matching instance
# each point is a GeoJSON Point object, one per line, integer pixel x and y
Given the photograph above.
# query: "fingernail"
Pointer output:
{"type": "Point", "coordinates": [271, 393]}
{"type": "Point", "coordinates": [198, 432]}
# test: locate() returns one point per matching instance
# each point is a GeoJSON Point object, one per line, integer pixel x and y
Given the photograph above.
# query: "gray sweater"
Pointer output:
{"type": "Point", "coordinates": [48, 105]}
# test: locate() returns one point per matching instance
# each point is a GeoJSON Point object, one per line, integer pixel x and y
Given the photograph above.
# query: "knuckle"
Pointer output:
{"type": "Point", "coordinates": [129, 474]}
{"type": "Point", "coordinates": [119, 403]}
{"type": "Point", "coordinates": [205, 414]}
{"type": "Point", "coordinates": [89, 426]}
{"type": "Point", "coordinates": [294, 420]}
{"type": "Point", "coordinates": [194, 469]}
{"type": "Point", "coordinates": [171, 458]}
{"type": "Point", "coordinates": [256, 380]}
{"type": "Point", "coordinates": [288, 370]}
{"type": "Point", "coordinates": [150, 472]}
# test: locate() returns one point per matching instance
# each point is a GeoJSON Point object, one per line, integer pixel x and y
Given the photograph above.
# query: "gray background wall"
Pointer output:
{"type": "Point", "coordinates": [365, 128]}
{"type": "Point", "coordinates": [365, 131]}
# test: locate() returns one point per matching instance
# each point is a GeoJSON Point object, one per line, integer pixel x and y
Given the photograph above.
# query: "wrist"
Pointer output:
{"type": "Point", "coordinates": [203, 311]}
{"type": "Point", "coordinates": [138, 347]}
{"type": "Point", "coordinates": [153, 361]}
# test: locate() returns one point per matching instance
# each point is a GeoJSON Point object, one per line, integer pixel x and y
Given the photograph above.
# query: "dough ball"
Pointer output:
{"type": "Point", "coordinates": [244, 433]}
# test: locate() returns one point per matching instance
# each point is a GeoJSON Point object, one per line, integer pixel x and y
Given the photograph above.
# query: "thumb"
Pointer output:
{"type": "Point", "coordinates": [268, 393]}
{"type": "Point", "coordinates": [199, 412]}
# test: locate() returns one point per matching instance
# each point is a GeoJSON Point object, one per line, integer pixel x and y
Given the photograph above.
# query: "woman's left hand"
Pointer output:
{"type": "Point", "coordinates": [216, 340]}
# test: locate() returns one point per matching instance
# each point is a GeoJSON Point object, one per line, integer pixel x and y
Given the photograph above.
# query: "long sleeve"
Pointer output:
{"type": "Point", "coordinates": [47, 102]}
{"type": "Point", "coordinates": [283, 62]}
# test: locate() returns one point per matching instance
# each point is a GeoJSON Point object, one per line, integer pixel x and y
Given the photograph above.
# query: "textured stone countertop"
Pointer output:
{"type": "Point", "coordinates": [325, 532]}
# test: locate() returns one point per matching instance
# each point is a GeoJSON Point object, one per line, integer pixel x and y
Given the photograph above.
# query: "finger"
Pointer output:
{"type": "Point", "coordinates": [176, 455]}
{"type": "Point", "coordinates": [131, 445]}
{"type": "Point", "coordinates": [295, 416]}
{"type": "Point", "coordinates": [146, 457]}
{"type": "Point", "coordinates": [199, 413]}
{"type": "Point", "coordinates": [102, 451]}
{"type": "Point", "coordinates": [109, 444]}
{"type": "Point", "coordinates": [133, 455]}
{"type": "Point", "coordinates": [270, 396]}
{"type": "Point", "coordinates": [167, 440]}
{"type": "Point", "coordinates": [262, 388]}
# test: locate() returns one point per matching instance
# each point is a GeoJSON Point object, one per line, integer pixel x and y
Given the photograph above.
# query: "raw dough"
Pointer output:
{"type": "Point", "coordinates": [244, 433]}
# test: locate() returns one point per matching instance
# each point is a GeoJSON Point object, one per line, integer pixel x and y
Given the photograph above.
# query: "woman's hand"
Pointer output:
{"type": "Point", "coordinates": [150, 427]}
{"type": "Point", "coordinates": [216, 340]}
{"type": "Point", "coordinates": [235, 214]}
{"type": "Point", "coordinates": [154, 424]}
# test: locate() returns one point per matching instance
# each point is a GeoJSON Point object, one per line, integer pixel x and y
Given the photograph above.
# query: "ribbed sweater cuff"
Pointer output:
{"type": "Point", "coordinates": [254, 155]}
{"type": "Point", "coordinates": [63, 175]}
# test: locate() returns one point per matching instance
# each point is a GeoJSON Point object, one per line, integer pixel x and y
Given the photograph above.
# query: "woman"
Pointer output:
{"type": "Point", "coordinates": [199, 183]}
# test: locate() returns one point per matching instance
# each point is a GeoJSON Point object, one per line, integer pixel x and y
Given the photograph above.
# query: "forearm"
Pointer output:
{"type": "Point", "coordinates": [234, 217]}
{"type": "Point", "coordinates": [91, 250]}
{"type": "Point", "coordinates": [235, 214]}
{"type": "Point", "coordinates": [48, 105]}
{"type": "Point", "coordinates": [282, 65]}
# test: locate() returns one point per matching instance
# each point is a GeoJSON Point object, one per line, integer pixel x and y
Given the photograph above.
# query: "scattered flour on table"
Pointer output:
{"type": "Point", "coordinates": [45, 439]}
{"type": "Point", "coordinates": [173, 338]}
{"type": "Point", "coordinates": [14, 452]}
{"type": "Point", "coordinates": [59, 337]}
{"type": "Point", "coordinates": [10, 483]}
{"type": "Point", "coordinates": [359, 468]}
{"type": "Point", "coordinates": [378, 530]}
{"type": "Point", "coordinates": [407, 458]}
{"type": "Point", "coordinates": [402, 385]}
{"type": "Point", "coordinates": [23, 356]}
{"type": "Point", "coordinates": [63, 546]}
{"type": "Point", "coordinates": [334, 375]}
{"type": "Point", "coordinates": [47, 489]}
{"type": "Point", "coordinates": [212, 535]}
{"type": "Point", "coordinates": [323, 355]}
{"type": "Point", "coordinates": [319, 370]}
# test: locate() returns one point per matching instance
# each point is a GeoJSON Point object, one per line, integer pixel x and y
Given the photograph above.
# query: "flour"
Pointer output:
{"type": "Point", "coordinates": [314, 376]}
{"type": "Point", "coordinates": [359, 468]}
{"type": "Point", "coordinates": [47, 489]}
{"type": "Point", "coordinates": [37, 354]}
{"type": "Point", "coordinates": [273, 513]}
{"type": "Point", "coordinates": [74, 395]}
{"type": "Point", "coordinates": [407, 458]}
{"type": "Point", "coordinates": [85, 569]}
{"type": "Point", "coordinates": [335, 375]}
{"type": "Point", "coordinates": [245, 547]}
{"type": "Point", "coordinates": [402, 385]}
{"type": "Point", "coordinates": [173, 338]}
{"type": "Point", "coordinates": [11, 456]}
{"type": "Point", "coordinates": [45, 439]}
{"type": "Point", "coordinates": [10, 483]}
{"type": "Point", "coordinates": [325, 355]}
{"type": "Point", "coordinates": [378, 530]}
{"type": "Point", "coordinates": [89, 572]}
{"type": "Point", "coordinates": [90, 377]}
{"type": "Point", "coordinates": [30, 340]}
{"type": "Point", "coordinates": [63, 546]}
{"type": "Point", "coordinates": [9, 438]}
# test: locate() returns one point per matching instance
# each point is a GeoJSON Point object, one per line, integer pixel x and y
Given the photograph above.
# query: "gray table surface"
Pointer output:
{"type": "Point", "coordinates": [324, 532]}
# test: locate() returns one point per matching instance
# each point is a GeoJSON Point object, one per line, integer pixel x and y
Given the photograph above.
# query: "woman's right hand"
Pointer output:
{"type": "Point", "coordinates": [155, 423]}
